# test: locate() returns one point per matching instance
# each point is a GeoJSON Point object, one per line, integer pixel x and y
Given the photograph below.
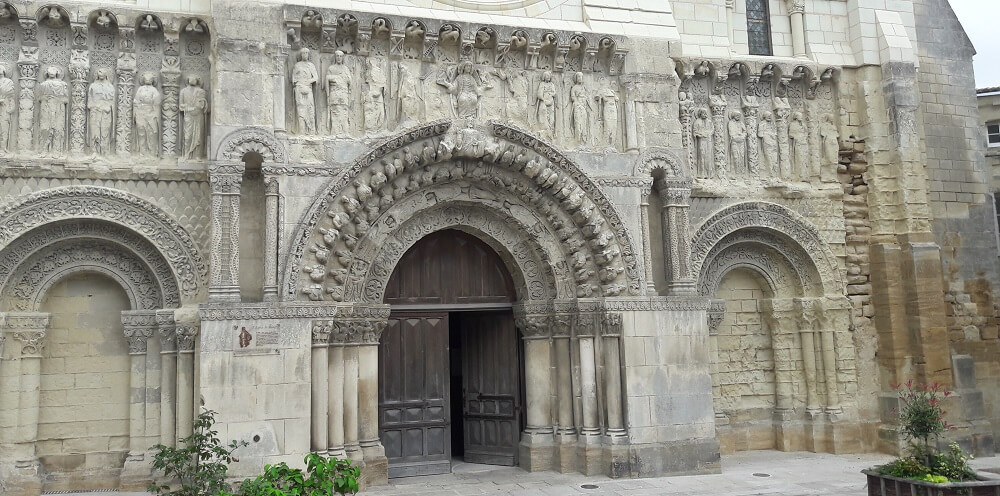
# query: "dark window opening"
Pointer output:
{"type": "Point", "coordinates": [993, 133]}
{"type": "Point", "coordinates": [758, 27]}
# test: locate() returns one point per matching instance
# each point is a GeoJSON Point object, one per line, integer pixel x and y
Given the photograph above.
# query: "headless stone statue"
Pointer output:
{"type": "Point", "coordinates": [53, 99]}
{"type": "Point", "coordinates": [146, 110]}
{"type": "Point", "coordinates": [304, 76]}
{"type": "Point", "coordinates": [338, 96]}
{"type": "Point", "coordinates": [193, 104]}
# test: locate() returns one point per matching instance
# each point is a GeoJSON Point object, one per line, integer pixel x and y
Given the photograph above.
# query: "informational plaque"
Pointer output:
{"type": "Point", "coordinates": [257, 337]}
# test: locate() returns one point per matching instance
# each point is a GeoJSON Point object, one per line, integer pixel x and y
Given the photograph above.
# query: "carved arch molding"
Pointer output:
{"type": "Point", "coordinates": [252, 139]}
{"type": "Point", "coordinates": [557, 231]}
{"type": "Point", "coordinates": [773, 241]}
{"type": "Point", "coordinates": [55, 232]}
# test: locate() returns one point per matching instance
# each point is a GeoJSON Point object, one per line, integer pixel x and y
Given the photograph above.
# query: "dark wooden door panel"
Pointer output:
{"type": "Point", "coordinates": [414, 415]}
{"type": "Point", "coordinates": [490, 381]}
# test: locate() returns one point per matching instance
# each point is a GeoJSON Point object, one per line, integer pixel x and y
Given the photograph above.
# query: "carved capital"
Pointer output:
{"type": "Point", "coordinates": [796, 7]}
{"type": "Point", "coordinates": [716, 312]}
{"type": "Point", "coordinates": [321, 332]}
{"type": "Point", "coordinates": [611, 324]}
{"type": "Point", "coordinates": [534, 326]}
{"type": "Point", "coordinates": [167, 328]}
{"type": "Point", "coordinates": [29, 329]}
{"type": "Point", "coordinates": [186, 336]}
{"type": "Point", "coordinates": [32, 342]}
{"type": "Point", "coordinates": [139, 327]}
{"type": "Point", "coordinates": [588, 324]}
{"type": "Point", "coordinates": [562, 324]}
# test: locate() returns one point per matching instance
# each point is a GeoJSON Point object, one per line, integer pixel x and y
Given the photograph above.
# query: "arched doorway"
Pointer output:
{"type": "Point", "coordinates": [450, 374]}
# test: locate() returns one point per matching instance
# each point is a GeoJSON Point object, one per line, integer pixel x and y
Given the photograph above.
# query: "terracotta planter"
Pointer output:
{"type": "Point", "coordinates": [887, 485]}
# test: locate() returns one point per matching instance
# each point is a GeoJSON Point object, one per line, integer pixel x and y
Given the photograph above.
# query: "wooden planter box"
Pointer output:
{"type": "Point", "coordinates": [887, 485]}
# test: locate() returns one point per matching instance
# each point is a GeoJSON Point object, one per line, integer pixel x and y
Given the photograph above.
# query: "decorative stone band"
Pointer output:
{"type": "Point", "coordinates": [167, 328]}
{"type": "Point", "coordinates": [565, 319]}
{"type": "Point", "coordinates": [354, 331]}
{"type": "Point", "coordinates": [29, 328]}
{"type": "Point", "coordinates": [271, 310]}
{"type": "Point", "coordinates": [139, 326]}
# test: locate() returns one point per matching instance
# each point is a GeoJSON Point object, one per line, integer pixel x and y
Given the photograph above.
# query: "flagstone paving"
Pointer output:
{"type": "Point", "coordinates": [756, 473]}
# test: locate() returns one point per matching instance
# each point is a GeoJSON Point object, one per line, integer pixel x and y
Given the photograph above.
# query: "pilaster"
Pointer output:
{"type": "Point", "coordinates": [126, 89]}
{"type": "Point", "coordinates": [535, 450]}
{"type": "Point", "coordinates": [170, 75]}
{"type": "Point", "coordinates": [225, 178]}
{"type": "Point", "coordinates": [271, 236]}
{"type": "Point", "coordinates": [21, 472]}
{"type": "Point", "coordinates": [139, 326]}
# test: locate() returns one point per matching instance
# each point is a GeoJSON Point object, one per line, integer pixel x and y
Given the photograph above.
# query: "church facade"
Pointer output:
{"type": "Point", "coordinates": [614, 237]}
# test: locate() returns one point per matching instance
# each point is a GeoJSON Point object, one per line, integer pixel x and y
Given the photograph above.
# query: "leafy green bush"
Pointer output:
{"type": "Point", "coordinates": [200, 465]}
{"type": "Point", "coordinates": [921, 418]}
{"type": "Point", "coordinates": [323, 477]}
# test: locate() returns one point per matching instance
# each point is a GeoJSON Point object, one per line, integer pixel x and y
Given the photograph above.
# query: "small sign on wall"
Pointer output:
{"type": "Point", "coordinates": [255, 338]}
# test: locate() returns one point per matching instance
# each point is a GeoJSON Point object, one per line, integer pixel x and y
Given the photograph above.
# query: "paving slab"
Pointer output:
{"type": "Point", "coordinates": [751, 473]}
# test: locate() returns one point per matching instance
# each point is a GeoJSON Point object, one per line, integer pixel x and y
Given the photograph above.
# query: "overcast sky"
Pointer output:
{"type": "Point", "coordinates": [981, 19]}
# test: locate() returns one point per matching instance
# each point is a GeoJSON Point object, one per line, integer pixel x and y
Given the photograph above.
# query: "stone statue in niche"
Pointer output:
{"type": "Point", "coordinates": [580, 99]}
{"type": "Point", "coordinates": [466, 87]}
{"type": "Point", "coordinates": [702, 131]}
{"type": "Point", "coordinates": [410, 102]}
{"type": "Point", "coordinates": [768, 135]}
{"type": "Point", "coordinates": [737, 143]}
{"type": "Point", "coordinates": [146, 110]}
{"type": "Point", "coordinates": [304, 76]}
{"type": "Point", "coordinates": [831, 140]}
{"type": "Point", "coordinates": [101, 107]}
{"type": "Point", "coordinates": [374, 98]}
{"type": "Point", "coordinates": [607, 100]}
{"type": "Point", "coordinates": [799, 137]}
{"type": "Point", "coordinates": [545, 105]}
{"type": "Point", "coordinates": [193, 105]}
{"type": "Point", "coordinates": [338, 96]}
{"type": "Point", "coordinates": [517, 97]}
{"type": "Point", "coordinates": [7, 103]}
{"type": "Point", "coordinates": [53, 100]}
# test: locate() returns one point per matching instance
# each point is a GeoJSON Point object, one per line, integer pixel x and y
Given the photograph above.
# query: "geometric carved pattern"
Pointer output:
{"type": "Point", "coordinates": [252, 139]}
{"type": "Point", "coordinates": [778, 229]}
{"type": "Point", "coordinates": [518, 172]}
{"type": "Point", "coordinates": [117, 207]}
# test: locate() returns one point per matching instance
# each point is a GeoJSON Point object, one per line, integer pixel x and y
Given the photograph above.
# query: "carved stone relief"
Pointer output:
{"type": "Point", "coordinates": [430, 165]}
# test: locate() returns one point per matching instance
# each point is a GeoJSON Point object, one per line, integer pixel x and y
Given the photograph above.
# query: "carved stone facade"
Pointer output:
{"type": "Point", "coordinates": [708, 252]}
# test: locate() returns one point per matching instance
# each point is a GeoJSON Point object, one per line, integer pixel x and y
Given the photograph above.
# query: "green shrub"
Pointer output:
{"type": "Point", "coordinates": [323, 477]}
{"type": "Point", "coordinates": [199, 465]}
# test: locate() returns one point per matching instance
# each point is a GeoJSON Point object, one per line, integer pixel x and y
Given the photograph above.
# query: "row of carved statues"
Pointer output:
{"type": "Point", "coordinates": [99, 116]}
{"type": "Point", "coordinates": [751, 139]}
{"type": "Point", "coordinates": [566, 109]}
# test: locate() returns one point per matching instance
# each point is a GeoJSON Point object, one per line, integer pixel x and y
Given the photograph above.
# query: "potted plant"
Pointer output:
{"type": "Point", "coordinates": [926, 470]}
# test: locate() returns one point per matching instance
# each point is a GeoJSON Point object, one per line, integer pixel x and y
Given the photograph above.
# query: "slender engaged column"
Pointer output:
{"type": "Point", "coordinates": [351, 445]}
{"type": "Point", "coordinates": [126, 88]}
{"type": "Point", "coordinates": [830, 371]}
{"type": "Point", "coordinates": [565, 433]}
{"type": "Point", "coordinates": [720, 144]}
{"type": "Point", "coordinates": [271, 223]}
{"type": "Point", "coordinates": [781, 320]}
{"type": "Point", "coordinates": [806, 330]}
{"type": "Point", "coordinates": [168, 376]}
{"type": "Point", "coordinates": [585, 334]}
{"type": "Point", "coordinates": [612, 329]}
{"type": "Point", "coordinates": [170, 74]}
{"type": "Point", "coordinates": [631, 124]}
{"type": "Point", "coordinates": [675, 195]}
{"type": "Point", "coordinates": [28, 329]}
{"type": "Point", "coordinates": [320, 387]}
{"type": "Point", "coordinates": [225, 179]}
{"type": "Point", "coordinates": [796, 12]}
{"type": "Point", "coordinates": [335, 398]}
{"type": "Point", "coordinates": [27, 66]}
{"type": "Point", "coordinates": [139, 326]}
{"type": "Point", "coordinates": [187, 334]}
{"type": "Point", "coordinates": [371, 446]}
{"type": "Point", "coordinates": [646, 244]}
{"type": "Point", "coordinates": [79, 68]}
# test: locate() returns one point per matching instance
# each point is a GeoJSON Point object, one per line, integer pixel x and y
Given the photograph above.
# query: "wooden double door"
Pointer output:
{"type": "Point", "coordinates": [449, 360]}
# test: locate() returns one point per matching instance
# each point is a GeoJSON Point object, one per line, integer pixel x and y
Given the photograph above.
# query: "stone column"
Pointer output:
{"type": "Point", "coordinates": [126, 91]}
{"type": "Point", "coordinates": [566, 432]}
{"type": "Point", "coordinates": [781, 317]}
{"type": "Point", "coordinates": [341, 334]}
{"type": "Point", "coordinates": [807, 326]}
{"type": "Point", "coordinates": [170, 76]}
{"type": "Point", "coordinates": [720, 144]}
{"type": "Point", "coordinates": [27, 66]}
{"type": "Point", "coordinates": [631, 124]}
{"type": "Point", "coordinates": [796, 13]}
{"type": "Point", "coordinates": [646, 243]}
{"type": "Point", "coordinates": [139, 326]}
{"type": "Point", "coordinates": [168, 376]}
{"type": "Point", "coordinates": [281, 65]}
{"type": "Point", "coordinates": [225, 264]}
{"type": "Point", "coordinates": [611, 326]}
{"type": "Point", "coordinates": [686, 109]}
{"type": "Point", "coordinates": [271, 224]}
{"type": "Point", "coordinates": [352, 447]}
{"type": "Point", "coordinates": [829, 354]}
{"type": "Point", "coordinates": [536, 441]}
{"type": "Point", "coordinates": [28, 329]}
{"type": "Point", "coordinates": [79, 68]}
{"type": "Point", "coordinates": [586, 330]}
{"type": "Point", "coordinates": [320, 388]}
{"type": "Point", "coordinates": [376, 464]}
{"type": "Point", "coordinates": [675, 195]}
{"type": "Point", "coordinates": [187, 335]}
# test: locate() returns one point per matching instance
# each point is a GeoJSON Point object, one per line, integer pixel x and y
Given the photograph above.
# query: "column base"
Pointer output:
{"type": "Point", "coordinates": [687, 457]}
{"type": "Point", "coordinates": [224, 293]}
{"type": "Point", "coordinates": [137, 473]}
{"type": "Point", "coordinates": [21, 478]}
{"type": "Point", "coordinates": [789, 431]}
{"type": "Point", "coordinates": [565, 453]}
{"type": "Point", "coordinates": [376, 469]}
{"type": "Point", "coordinates": [590, 455]}
{"type": "Point", "coordinates": [615, 457]}
{"type": "Point", "coordinates": [536, 450]}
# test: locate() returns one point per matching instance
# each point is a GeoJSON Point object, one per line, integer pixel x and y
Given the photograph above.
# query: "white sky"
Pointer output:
{"type": "Point", "coordinates": [981, 19]}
